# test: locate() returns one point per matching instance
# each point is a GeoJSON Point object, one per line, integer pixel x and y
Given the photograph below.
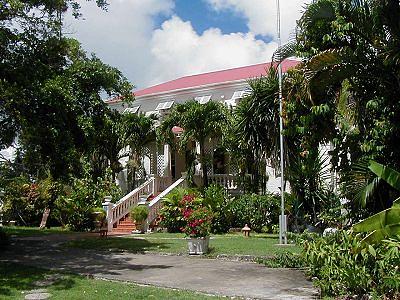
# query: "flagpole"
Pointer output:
{"type": "Point", "coordinates": [282, 218]}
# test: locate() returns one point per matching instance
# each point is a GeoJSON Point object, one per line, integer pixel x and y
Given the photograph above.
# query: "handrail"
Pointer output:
{"type": "Point", "coordinates": [122, 207]}
{"type": "Point", "coordinates": [156, 204]}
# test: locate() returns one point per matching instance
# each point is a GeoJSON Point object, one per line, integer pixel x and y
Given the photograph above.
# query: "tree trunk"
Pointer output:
{"type": "Point", "coordinates": [203, 163]}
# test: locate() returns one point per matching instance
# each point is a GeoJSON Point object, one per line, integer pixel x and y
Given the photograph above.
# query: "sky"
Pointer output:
{"type": "Point", "coordinates": [153, 41]}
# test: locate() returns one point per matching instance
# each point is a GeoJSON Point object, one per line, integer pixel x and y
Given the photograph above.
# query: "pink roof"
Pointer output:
{"type": "Point", "coordinates": [210, 78]}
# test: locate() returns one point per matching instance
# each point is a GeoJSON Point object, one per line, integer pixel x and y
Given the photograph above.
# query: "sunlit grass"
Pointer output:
{"type": "Point", "coordinates": [16, 280]}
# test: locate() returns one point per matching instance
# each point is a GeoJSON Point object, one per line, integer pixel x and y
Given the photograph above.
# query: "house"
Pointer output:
{"type": "Point", "coordinates": [226, 86]}
{"type": "Point", "coordinates": [163, 168]}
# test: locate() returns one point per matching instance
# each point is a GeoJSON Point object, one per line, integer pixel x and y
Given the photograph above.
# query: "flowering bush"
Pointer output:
{"type": "Point", "coordinates": [197, 218]}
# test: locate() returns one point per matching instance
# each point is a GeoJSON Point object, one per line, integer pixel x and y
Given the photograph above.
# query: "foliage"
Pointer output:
{"type": "Point", "coordinates": [343, 265]}
{"type": "Point", "coordinates": [50, 89]}
{"type": "Point", "coordinates": [98, 215]}
{"type": "Point", "coordinates": [283, 260]}
{"type": "Point", "coordinates": [255, 210]}
{"type": "Point", "coordinates": [217, 199]}
{"type": "Point", "coordinates": [343, 92]}
{"type": "Point", "coordinates": [387, 222]}
{"type": "Point", "coordinates": [256, 129]}
{"type": "Point", "coordinates": [25, 201]}
{"type": "Point", "coordinates": [139, 213]}
{"type": "Point", "coordinates": [171, 216]}
{"type": "Point", "coordinates": [197, 218]}
{"type": "Point", "coordinates": [139, 131]}
{"type": "Point", "coordinates": [74, 207]}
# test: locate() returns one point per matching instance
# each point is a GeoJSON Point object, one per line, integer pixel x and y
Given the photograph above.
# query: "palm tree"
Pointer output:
{"type": "Point", "coordinates": [257, 124]}
{"type": "Point", "coordinates": [200, 122]}
{"type": "Point", "coordinates": [139, 131]}
{"type": "Point", "coordinates": [113, 140]}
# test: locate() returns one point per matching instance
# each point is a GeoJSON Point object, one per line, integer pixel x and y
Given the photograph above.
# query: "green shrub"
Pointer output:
{"type": "Point", "coordinates": [74, 207]}
{"type": "Point", "coordinates": [257, 211]}
{"type": "Point", "coordinates": [139, 213]}
{"type": "Point", "coordinates": [344, 265]}
{"type": "Point", "coordinates": [218, 200]}
{"type": "Point", "coordinates": [171, 217]}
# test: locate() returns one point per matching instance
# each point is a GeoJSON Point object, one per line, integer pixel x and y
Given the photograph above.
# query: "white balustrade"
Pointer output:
{"type": "Point", "coordinates": [155, 205]}
{"type": "Point", "coordinates": [229, 181]}
{"type": "Point", "coordinates": [124, 205]}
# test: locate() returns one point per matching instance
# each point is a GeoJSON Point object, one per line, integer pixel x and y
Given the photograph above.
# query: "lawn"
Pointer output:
{"type": "Point", "coordinates": [22, 231]}
{"type": "Point", "coordinates": [258, 245]}
{"type": "Point", "coordinates": [16, 280]}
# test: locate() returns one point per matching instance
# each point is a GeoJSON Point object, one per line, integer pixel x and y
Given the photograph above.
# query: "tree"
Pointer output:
{"type": "Point", "coordinates": [257, 125]}
{"type": "Point", "coordinates": [346, 91]}
{"type": "Point", "coordinates": [49, 89]}
{"type": "Point", "coordinates": [200, 122]}
{"type": "Point", "coordinates": [139, 132]}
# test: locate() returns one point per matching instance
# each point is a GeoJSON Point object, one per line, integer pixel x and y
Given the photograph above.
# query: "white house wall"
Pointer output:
{"type": "Point", "coordinates": [220, 92]}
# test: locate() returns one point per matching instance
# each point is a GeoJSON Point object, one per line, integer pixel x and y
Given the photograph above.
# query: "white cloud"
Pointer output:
{"type": "Point", "coordinates": [178, 50]}
{"type": "Point", "coordinates": [126, 36]}
{"type": "Point", "coordinates": [120, 36]}
{"type": "Point", "coordinates": [261, 14]}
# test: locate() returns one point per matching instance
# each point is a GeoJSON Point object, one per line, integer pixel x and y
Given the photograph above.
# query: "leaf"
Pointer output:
{"type": "Point", "coordinates": [391, 176]}
{"type": "Point", "coordinates": [381, 225]}
{"type": "Point", "coordinates": [371, 250]}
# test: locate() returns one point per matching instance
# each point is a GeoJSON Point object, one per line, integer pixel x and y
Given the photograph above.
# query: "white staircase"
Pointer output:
{"type": "Point", "coordinates": [153, 186]}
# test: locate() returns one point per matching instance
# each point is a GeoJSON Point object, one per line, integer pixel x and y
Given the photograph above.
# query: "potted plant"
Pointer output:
{"type": "Point", "coordinates": [197, 219]}
{"type": "Point", "coordinates": [98, 217]}
{"type": "Point", "coordinates": [139, 215]}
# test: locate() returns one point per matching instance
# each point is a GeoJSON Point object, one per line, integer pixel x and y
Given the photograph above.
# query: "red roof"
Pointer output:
{"type": "Point", "coordinates": [211, 78]}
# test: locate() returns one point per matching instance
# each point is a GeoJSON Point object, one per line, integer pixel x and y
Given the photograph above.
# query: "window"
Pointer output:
{"type": "Point", "coordinates": [241, 94]}
{"type": "Point", "coordinates": [152, 112]}
{"type": "Point", "coordinates": [164, 105]}
{"type": "Point", "coordinates": [131, 110]}
{"type": "Point", "coordinates": [203, 99]}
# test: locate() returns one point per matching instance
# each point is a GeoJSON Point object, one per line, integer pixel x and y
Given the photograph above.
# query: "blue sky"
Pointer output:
{"type": "Point", "coordinates": [153, 41]}
{"type": "Point", "coordinates": [202, 17]}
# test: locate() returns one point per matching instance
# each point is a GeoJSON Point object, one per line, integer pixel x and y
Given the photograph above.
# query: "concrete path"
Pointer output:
{"type": "Point", "coordinates": [241, 279]}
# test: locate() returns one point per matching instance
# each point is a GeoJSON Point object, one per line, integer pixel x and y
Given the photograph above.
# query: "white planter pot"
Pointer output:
{"type": "Point", "coordinates": [198, 245]}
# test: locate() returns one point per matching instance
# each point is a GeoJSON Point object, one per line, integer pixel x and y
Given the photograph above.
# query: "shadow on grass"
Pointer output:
{"type": "Point", "coordinates": [15, 278]}
{"type": "Point", "coordinates": [133, 245]}
{"type": "Point", "coordinates": [73, 257]}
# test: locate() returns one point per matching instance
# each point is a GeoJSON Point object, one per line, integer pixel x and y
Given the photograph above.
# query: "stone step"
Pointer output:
{"type": "Point", "coordinates": [126, 225]}
{"type": "Point", "coordinates": [123, 230]}
{"type": "Point", "coordinates": [126, 222]}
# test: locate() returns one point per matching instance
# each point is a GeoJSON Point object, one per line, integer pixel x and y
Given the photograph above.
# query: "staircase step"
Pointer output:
{"type": "Point", "coordinates": [125, 226]}
{"type": "Point", "coordinates": [126, 222]}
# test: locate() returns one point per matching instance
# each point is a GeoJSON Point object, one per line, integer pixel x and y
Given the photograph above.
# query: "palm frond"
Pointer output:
{"type": "Point", "coordinates": [285, 51]}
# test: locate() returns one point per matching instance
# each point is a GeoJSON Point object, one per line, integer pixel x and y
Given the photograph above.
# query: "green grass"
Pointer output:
{"type": "Point", "coordinates": [22, 231]}
{"type": "Point", "coordinates": [16, 280]}
{"type": "Point", "coordinates": [259, 245]}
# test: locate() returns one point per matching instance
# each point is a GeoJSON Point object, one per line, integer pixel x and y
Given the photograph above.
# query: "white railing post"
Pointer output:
{"type": "Point", "coordinates": [184, 176]}
{"type": "Point", "coordinates": [108, 207]}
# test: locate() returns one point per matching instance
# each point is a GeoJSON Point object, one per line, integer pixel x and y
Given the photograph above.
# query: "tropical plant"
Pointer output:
{"type": "Point", "coordinates": [201, 123]}
{"type": "Point", "coordinates": [344, 265]}
{"type": "Point", "coordinates": [170, 214]}
{"type": "Point", "coordinates": [139, 213]}
{"type": "Point", "coordinates": [139, 131]}
{"type": "Point", "coordinates": [257, 211]}
{"type": "Point", "coordinates": [256, 128]}
{"type": "Point", "coordinates": [218, 200]}
{"type": "Point", "coordinates": [387, 222]}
